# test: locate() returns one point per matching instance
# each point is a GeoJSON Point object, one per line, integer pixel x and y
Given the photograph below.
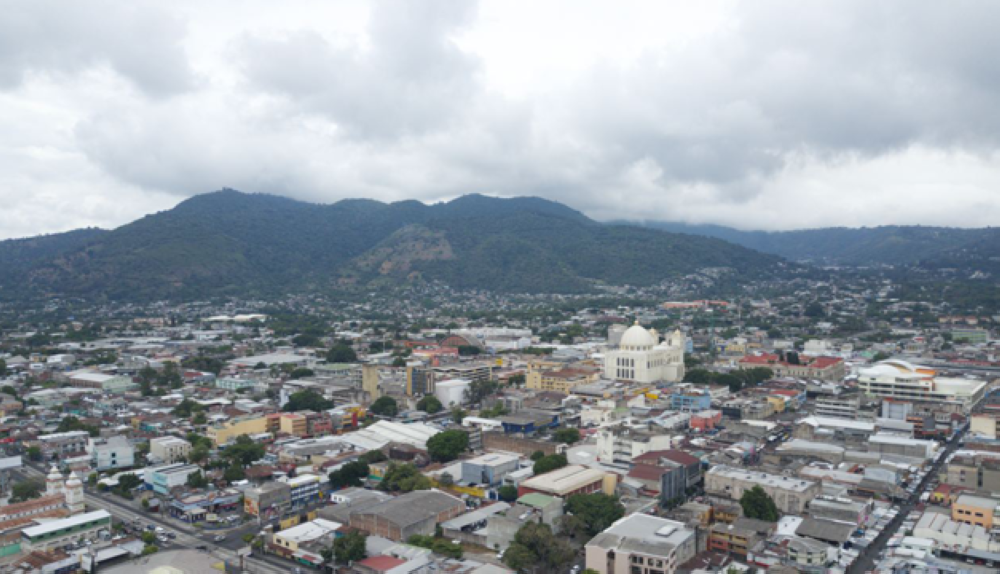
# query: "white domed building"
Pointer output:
{"type": "Point", "coordinates": [642, 358]}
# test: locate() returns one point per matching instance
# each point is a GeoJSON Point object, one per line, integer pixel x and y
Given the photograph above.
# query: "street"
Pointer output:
{"type": "Point", "coordinates": [187, 536]}
{"type": "Point", "coordinates": [867, 559]}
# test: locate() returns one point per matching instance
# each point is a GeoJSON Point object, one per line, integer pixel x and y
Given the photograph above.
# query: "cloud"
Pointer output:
{"type": "Point", "coordinates": [134, 39]}
{"type": "Point", "coordinates": [770, 115]}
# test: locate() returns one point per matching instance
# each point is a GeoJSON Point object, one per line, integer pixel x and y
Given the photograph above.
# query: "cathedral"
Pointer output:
{"type": "Point", "coordinates": [642, 358]}
{"type": "Point", "coordinates": [71, 489]}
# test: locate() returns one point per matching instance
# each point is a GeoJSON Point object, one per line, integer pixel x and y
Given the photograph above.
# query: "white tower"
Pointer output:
{"type": "Point", "coordinates": [54, 482]}
{"type": "Point", "coordinates": [74, 494]}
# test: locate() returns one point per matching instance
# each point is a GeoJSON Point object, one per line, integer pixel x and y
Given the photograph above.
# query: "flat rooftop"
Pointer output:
{"type": "Point", "coordinates": [763, 479]}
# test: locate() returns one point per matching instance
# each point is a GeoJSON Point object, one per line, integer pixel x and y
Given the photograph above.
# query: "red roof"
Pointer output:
{"type": "Point", "coordinates": [678, 456]}
{"type": "Point", "coordinates": [804, 360]}
{"type": "Point", "coordinates": [646, 472]}
{"type": "Point", "coordinates": [382, 563]}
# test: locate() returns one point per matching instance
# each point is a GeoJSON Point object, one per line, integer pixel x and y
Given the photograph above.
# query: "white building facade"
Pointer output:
{"type": "Point", "coordinates": [642, 358]}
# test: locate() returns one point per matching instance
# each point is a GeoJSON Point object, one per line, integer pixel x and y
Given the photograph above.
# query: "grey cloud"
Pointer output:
{"type": "Point", "coordinates": [135, 39]}
{"type": "Point", "coordinates": [413, 79]}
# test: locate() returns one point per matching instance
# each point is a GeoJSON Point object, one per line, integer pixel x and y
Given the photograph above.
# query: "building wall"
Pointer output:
{"type": "Point", "coordinates": [231, 429]}
{"type": "Point", "coordinates": [972, 514]}
{"type": "Point", "coordinates": [170, 452]}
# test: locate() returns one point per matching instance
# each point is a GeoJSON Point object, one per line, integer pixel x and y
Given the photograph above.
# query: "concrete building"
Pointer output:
{"type": "Point", "coordinates": [107, 383]}
{"type": "Point", "coordinates": [61, 532]}
{"type": "Point", "coordinates": [412, 513]}
{"type": "Point", "coordinates": [169, 449]}
{"type": "Point", "coordinates": [804, 367]}
{"type": "Point", "coordinates": [114, 453]}
{"type": "Point", "coordinates": [561, 380]}
{"type": "Point", "coordinates": [976, 510]}
{"type": "Point", "coordinates": [474, 371]}
{"type": "Point", "coordinates": [886, 443]}
{"type": "Point", "coordinates": [268, 499]}
{"type": "Point", "coordinates": [985, 424]}
{"type": "Point", "coordinates": [161, 479]}
{"type": "Point", "coordinates": [641, 544]}
{"type": "Point", "coordinates": [227, 431]}
{"type": "Point", "coordinates": [842, 406]}
{"type": "Point", "coordinates": [791, 495]}
{"type": "Point", "coordinates": [57, 446]}
{"type": "Point", "coordinates": [452, 391]}
{"type": "Point", "coordinates": [569, 480]}
{"type": "Point", "coordinates": [621, 444]}
{"type": "Point", "coordinates": [489, 469]}
{"type": "Point", "coordinates": [642, 358]}
{"type": "Point", "coordinates": [305, 489]}
{"type": "Point", "coordinates": [903, 380]}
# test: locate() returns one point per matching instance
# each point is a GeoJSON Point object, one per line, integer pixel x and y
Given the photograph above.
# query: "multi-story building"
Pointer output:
{"type": "Point", "coordinates": [489, 469]}
{"type": "Point", "coordinates": [115, 452]}
{"type": "Point", "coordinates": [798, 366]}
{"type": "Point", "coordinates": [305, 489]}
{"type": "Point", "coordinates": [169, 449]}
{"type": "Point", "coordinates": [106, 383]}
{"type": "Point", "coordinates": [474, 371]}
{"type": "Point", "coordinates": [161, 479]}
{"type": "Point", "coordinates": [562, 380]}
{"type": "Point", "coordinates": [985, 424]}
{"type": "Point", "coordinates": [59, 445]}
{"type": "Point", "coordinates": [269, 499]}
{"type": "Point", "coordinates": [293, 424]}
{"type": "Point", "coordinates": [641, 544]}
{"type": "Point", "coordinates": [419, 381]}
{"type": "Point", "coordinates": [790, 495]}
{"type": "Point", "coordinates": [226, 432]}
{"type": "Point", "coordinates": [234, 384]}
{"type": "Point", "coordinates": [690, 400]}
{"type": "Point", "coordinates": [65, 531]}
{"type": "Point", "coordinates": [974, 472]}
{"type": "Point", "coordinates": [739, 537]}
{"type": "Point", "coordinates": [843, 406]}
{"type": "Point", "coordinates": [976, 510]}
{"type": "Point", "coordinates": [621, 444]}
{"type": "Point", "coordinates": [902, 380]}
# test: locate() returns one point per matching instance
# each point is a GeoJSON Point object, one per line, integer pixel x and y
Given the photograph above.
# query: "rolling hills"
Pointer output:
{"type": "Point", "coordinates": [233, 243]}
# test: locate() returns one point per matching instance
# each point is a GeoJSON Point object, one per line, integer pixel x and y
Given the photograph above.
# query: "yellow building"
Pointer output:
{"type": "Point", "coordinates": [977, 510]}
{"type": "Point", "coordinates": [228, 431]}
{"type": "Point", "coordinates": [293, 424]}
{"type": "Point", "coordinates": [777, 404]}
{"type": "Point", "coordinates": [561, 379]}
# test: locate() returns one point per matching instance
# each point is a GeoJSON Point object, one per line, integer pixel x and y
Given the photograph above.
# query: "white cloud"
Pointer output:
{"type": "Point", "coordinates": [769, 115]}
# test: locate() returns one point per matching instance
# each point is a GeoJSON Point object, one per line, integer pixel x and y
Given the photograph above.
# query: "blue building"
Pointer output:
{"type": "Point", "coordinates": [691, 401]}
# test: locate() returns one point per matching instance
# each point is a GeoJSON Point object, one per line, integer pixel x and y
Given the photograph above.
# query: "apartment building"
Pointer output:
{"type": "Point", "coordinates": [169, 449]}
{"type": "Point", "coordinates": [903, 380]}
{"type": "Point", "coordinates": [790, 495]}
{"type": "Point", "coordinates": [641, 544]}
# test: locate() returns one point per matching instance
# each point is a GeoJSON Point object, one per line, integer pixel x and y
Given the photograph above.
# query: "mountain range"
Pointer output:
{"type": "Point", "coordinates": [234, 243]}
{"type": "Point", "coordinates": [921, 246]}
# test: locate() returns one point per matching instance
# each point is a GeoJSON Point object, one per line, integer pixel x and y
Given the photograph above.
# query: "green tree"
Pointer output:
{"type": "Point", "coordinates": [446, 479]}
{"type": "Point", "coordinates": [301, 373]}
{"type": "Point", "coordinates": [507, 493]}
{"type": "Point", "coordinates": [535, 545]}
{"type": "Point", "coordinates": [516, 380]}
{"type": "Point", "coordinates": [457, 414]}
{"type": "Point", "coordinates": [880, 356]}
{"type": "Point", "coordinates": [350, 547]}
{"type": "Point", "coordinates": [549, 463]}
{"type": "Point", "coordinates": [244, 451]}
{"type": "Point", "coordinates": [373, 456]}
{"type": "Point", "coordinates": [7, 389]}
{"type": "Point", "coordinates": [437, 545]}
{"type": "Point", "coordinates": [537, 456]}
{"type": "Point", "coordinates": [385, 406]}
{"type": "Point", "coordinates": [197, 480]}
{"type": "Point", "coordinates": [307, 400]}
{"type": "Point", "coordinates": [567, 435]}
{"type": "Point", "coordinates": [350, 474]}
{"type": "Point", "coordinates": [199, 418]}
{"type": "Point", "coordinates": [699, 376]}
{"type": "Point", "coordinates": [479, 390]}
{"type": "Point", "coordinates": [446, 446]}
{"type": "Point", "coordinates": [34, 453]}
{"type": "Point", "coordinates": [403, 478]}
{"type": "Point", "coordinates": [198, 454]}
{"type": "Point", "coordinates": [757, 504]}
{"type": "Point", "coordinates": [598, 511]}
{"type": "Point", "coordinates": [429, 404]}
{"type": "Point", "coordinates": [128, 482]}
{"type": "Point", "coordinates": [3, 368]}
{"type": "Point", "coordinates": [234, 473]}
{"type": "Point", "coordinates": [148, 537]}
{"type": "Point", "coordinates": [341, 353]}
{"type": "Point", "coordinates": [25, 490]}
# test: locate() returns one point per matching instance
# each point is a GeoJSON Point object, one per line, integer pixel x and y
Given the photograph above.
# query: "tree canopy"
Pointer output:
{"type": "Point", "coordinates": [447, 445]}
{"type": "Point", "coordinates": [757, 504]}
{"type": "Point", "coordinates": [567, 435]}
{"type": "Point", "coordinates": [25, 490]}
{"type": "Point", "coordinates": [350, 547]}
{"type": "Point", "coordinates": [307, 400]}
{"type": "Point", "coordinates": [549, 463]}
{"type": "Point", "coordinates": [341, 353]}
{"type": "Point", "coordinates": [351, 474]}
{"type": "Point", "coordinates": [597, 511]}
{"type": "Point", "coordinates": [534, 544]}
{"type": "Point", "coordinates": [430, 404]}
{"type": "Point", "coordinates": [244, 451]}
{"type": "Point", "coordinates": [403, 478]}
{"type": "Point", "coordinates": [385, 406]}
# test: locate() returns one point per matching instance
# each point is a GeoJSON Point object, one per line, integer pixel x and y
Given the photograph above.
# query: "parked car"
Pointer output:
{"type": "Point", "coordinates": [219, 538]}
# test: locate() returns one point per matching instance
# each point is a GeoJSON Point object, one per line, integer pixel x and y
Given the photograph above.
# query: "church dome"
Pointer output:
{"type": "Point", "coordinates": [637, 338]}
{"type": "Point", "coordinates": [74, 480]}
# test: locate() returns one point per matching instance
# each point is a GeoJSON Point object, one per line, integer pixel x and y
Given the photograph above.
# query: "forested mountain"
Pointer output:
{"type": "Point", "coordinates": [233, 243]}
{"type": "Point", "coordinates": [888, 245]}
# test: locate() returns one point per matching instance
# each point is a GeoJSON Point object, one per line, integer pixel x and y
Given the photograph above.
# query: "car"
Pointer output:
{"type": "Point", "coordinates": [159, 530]}
{"type": "Point", "coordinates": [219, 538]}
{"type": "Point", "coordinates": [202, 547]}
{"type": "Point", "coordinates": [171, 535]}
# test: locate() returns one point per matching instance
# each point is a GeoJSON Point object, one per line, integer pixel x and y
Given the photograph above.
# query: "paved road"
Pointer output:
{"type": "Point", "coordinates": [866, 560]}
{"type": "Point", "coordinates": [186, 537]}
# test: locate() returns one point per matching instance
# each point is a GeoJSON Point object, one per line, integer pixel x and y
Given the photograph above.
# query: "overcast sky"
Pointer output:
{"type": "Point", "coordinates": [758, 115]}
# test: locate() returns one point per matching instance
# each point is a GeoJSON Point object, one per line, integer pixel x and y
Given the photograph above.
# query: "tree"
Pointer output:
{"type": "Point", "coordinates": [34, 453]}
{"type": "Point", "coordinates": [197, 480]}
{"type": "Point", "coordinates": [567, 435]}
{"type": "Point", "coordinates": [384, 406]}
{"type": "Point", "coordinates": [516, 380]}
{"type": "Point", "coordinates": [507, 493]}
{"type": "Point", "coordinates": [244, 451]}
{"type": "Point", "coordinates": [732, 381]}
{"type": "Point", "coordinates": [403, 478]}
{"type": "Point", "coordinates": [305, 340]}
{"type": "Point", "coordinates": [3, 368]}
{"type": "Point", "coordinates": [198, 454]}
{"type": "Point", "coordinates": [598, 511]}
{"type": "Point", "coordinates": [535, 545]}
{"type": "Point", "coordinates": [549, 463]}
{"type": "Point", "coordinates": [145, 504]}
{"type": "Point", "coordinates": [234, 473]}
{"type": "Point", "coordinates": [814, 309]}
{"type": "Point", "coordinates": [71, 423]}
{"type": "Point", "coordinates": [7, 389]}
{"type": "Point", "coordinates": [301, 373]}
{"type": "Point", "coordinates": [699, 376]}
{"type": "Point", "coordinates": [437, 545]}
{"type": "Point", "coordinates": [537, 456]}
{"type": "Point", "coordinates": [25, 490]}
{"type": "Point", "coordinates": [457, 414]}
{"type": "Point", "coordinates": [446, 446]}
{"type": "Point", "coordinates": [757, 504]}
{"type": "Point", "coordinates": [199, 418]}
{"type": "Point", "coordinates": [307, 400]}
{"type": "Point", "coordinates": [353, 473]}
{"type": "Point", "coordinates": [341, 353]}
{"type": "Point", "coordinates": [469, 350]}
{"type": "Point", "coordinates": [148, 537]}
{"type": "Point", "coordinates": [350, 547]}
{"type": "Point", "coordinates": [446, 479]}
{"type": "Point", "coordinates": [479, 390]}
{"type": "Point", "coordinates": [880, 356]}
{"type": "Point", "coordinates": [429, 404]}
{"type": "Point", "coordinates": [128, 482]}
{"type": "Point", "coordinates": [373, 456]}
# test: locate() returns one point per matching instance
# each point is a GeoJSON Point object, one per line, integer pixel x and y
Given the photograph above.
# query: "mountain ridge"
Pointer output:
{"type": "Point", "coordinates": [234, 243]}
